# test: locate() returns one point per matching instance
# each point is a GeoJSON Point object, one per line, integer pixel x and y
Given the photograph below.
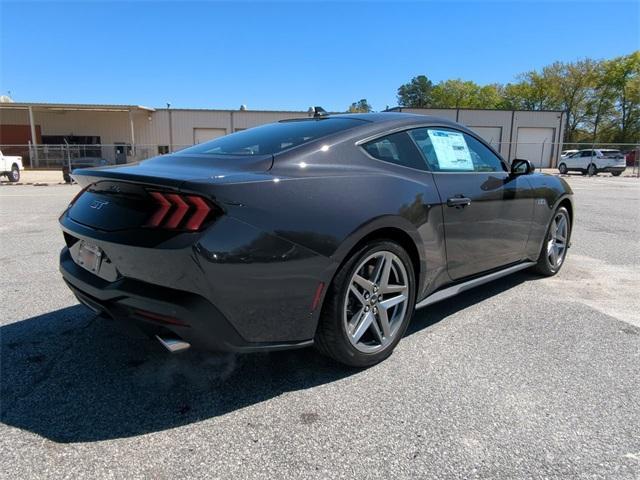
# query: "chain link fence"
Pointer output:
{"type": "Point", "coordinates": [59, 155]}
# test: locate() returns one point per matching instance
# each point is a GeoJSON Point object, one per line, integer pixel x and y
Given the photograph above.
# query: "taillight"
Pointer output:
{"type": "Point", "coordinates": [178, 211]}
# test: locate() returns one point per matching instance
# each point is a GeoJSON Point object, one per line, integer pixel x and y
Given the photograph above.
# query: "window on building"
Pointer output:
{"type": "Point", "coordinates": [396, 148]}
{"type": "Point", "coordinates": [163, 149]}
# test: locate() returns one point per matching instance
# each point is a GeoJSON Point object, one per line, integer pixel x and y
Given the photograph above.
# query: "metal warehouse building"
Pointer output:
{"type": "Point", "coordinates": [47, 134]}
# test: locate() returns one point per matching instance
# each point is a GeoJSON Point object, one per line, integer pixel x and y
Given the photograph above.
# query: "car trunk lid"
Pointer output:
{"type": "Point", "coordinates": [120, 197]}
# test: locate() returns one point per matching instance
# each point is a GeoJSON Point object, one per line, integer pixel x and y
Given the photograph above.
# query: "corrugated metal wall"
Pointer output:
{"type": "Point", "coordinates": [154, 128]}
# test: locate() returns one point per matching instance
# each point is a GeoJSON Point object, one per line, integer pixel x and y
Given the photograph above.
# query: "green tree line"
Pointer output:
{"type": "Point", "coordinates": [601, 97]}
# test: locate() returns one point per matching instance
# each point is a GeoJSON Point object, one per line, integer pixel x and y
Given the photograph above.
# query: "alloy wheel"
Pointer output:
{"type": "Point", "coordinates": [557, 242]}
{"type": "Point", "coordinates": [376, 301]}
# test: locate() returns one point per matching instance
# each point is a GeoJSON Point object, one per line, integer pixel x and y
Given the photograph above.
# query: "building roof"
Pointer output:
{"type": "Point", "coordinates": [75, 106]}
{"type": "Point", "coordinates": [401, 109]}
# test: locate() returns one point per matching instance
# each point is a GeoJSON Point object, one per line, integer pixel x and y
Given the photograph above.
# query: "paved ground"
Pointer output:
{"type": "Point", "coordinates": [524, 378]}
{"type": "Point", "coordinates": [51, 177]}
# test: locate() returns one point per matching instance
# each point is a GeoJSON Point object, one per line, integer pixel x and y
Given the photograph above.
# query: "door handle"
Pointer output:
{"type": "Point", "coordinates": [458, 201]}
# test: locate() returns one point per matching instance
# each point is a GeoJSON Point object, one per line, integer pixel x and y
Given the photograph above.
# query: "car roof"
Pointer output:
{"type": "Point", "coordinates": [390, 117]}
{"type": "Point", "coordinates": [382, 121]}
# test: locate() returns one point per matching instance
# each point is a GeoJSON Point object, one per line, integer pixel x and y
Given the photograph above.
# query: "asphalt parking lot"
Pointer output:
{"type": "Point", "coordinates": [522, 378]}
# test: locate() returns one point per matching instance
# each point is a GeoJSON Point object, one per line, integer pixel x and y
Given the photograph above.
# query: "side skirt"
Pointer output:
{"type": "Point", "coordinates": [461, 287]}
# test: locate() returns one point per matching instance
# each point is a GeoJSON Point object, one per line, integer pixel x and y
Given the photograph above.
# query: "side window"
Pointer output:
{"type": "Point", "coordinates": [586, 153]}
{"type": "Point", "coordinates": [450, 151]}
{"type": "Point", "coordinates": [484, 160]}
{"type": "Point", "coordinates": [396, 148]}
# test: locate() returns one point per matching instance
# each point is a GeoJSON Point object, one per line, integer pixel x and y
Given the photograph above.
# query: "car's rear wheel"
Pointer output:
{"type": "Point", "coordinates": [563, 169]}
{"type": "Point", "coordinates": [14, 174]}
{"type": "Point", "coordinates": [616, 174]}
{"type": "Point", "coordinates": [554, 248]}
{"type": "Point", "coordinates": [368, 305]}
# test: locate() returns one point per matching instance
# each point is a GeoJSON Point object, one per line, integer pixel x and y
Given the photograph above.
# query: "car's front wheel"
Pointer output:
{"type": "Point", "coordinates": [592, 170]}
{"type": "Point", "coordinates": [14, 174]}
{"type": "Point", "coordinates": [368, 305]}
{"type": "Point", "coordinates": [554, 247]}
{"type": "Point", "coordinates": [563, 169]}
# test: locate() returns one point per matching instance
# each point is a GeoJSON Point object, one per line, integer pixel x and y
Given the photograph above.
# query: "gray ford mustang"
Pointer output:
{"type": "Point", "coordinates": [329, 231]}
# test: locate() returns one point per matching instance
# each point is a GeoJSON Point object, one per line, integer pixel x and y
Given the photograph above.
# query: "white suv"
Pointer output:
{"type": "Point", "coordinates": [594, 162]}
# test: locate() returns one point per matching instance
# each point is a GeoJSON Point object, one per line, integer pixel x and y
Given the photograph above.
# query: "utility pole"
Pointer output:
{"type": "Point", "coordinates": [170, 128]}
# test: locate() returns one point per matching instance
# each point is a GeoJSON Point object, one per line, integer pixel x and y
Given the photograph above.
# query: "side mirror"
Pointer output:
{"type": "Point", "coordinates": [520, 166]}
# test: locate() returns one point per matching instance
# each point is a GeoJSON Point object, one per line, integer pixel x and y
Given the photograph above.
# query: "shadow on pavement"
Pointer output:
{"type": "Point", "coordinates": [434, 313]}
{"type": "Point", "coordinates": [70, 376]}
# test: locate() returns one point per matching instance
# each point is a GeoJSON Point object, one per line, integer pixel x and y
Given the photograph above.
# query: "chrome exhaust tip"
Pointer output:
{"type": "Point", "coordinates": [174, 345]}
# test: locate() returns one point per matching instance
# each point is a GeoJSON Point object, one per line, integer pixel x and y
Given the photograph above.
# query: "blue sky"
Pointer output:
{"type": "Point", "coordinates": [290, 55]}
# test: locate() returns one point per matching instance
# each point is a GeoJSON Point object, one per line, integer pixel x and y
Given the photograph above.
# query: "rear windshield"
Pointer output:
{"type": "Point", "coordinates": [611, 153]}
{"type": "Point", "coordinates": [274, 137]}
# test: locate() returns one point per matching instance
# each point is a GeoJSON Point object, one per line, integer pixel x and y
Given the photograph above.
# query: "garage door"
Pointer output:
{"type": "Point", "coordinates": [492, 135]}
{"type": "Point", "coordinates": [205, 134]}
{"type": "Point", "coordinates": [536, 145]}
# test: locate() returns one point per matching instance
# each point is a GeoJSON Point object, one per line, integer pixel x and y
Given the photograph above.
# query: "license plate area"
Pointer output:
{"type": "Point", "coordinates": [89, 257]}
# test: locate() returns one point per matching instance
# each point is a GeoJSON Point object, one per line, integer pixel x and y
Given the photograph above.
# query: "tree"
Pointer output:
{"type": "Point", "coordinates": [623, 74]}
{"type": "Point", "coordinates": [454, 94]}
{"type": "Point", "coordinates": [416, 93]}
{"type": "Point", "coordinates": [570, 86]}
{"type": "Point", "coordinates": [465, 94]}
{"type": "Point", "coordinates": [600, 105]}
{"type": "Point", "coordinates": [601, 97]}
{"type": "Point", "coordinates": [531, 92]}
{"type": "Point", "coordinates": [361, 106]}
{"type": "Point", "coordinates": [490, 96]}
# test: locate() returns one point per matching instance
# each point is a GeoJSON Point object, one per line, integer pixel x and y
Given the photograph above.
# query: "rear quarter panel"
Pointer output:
{"type": "Point", "coordinates": [328, 204]}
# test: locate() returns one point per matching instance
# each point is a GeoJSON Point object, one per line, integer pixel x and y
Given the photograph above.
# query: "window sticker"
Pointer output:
{"type": "Point", "coordinates": [451, 150]}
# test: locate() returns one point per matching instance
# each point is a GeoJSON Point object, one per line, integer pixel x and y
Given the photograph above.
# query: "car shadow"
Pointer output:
{"type": "Point", "coordinates": [433, 314]}
{"type": "Point", "coordinates": [71, 376]}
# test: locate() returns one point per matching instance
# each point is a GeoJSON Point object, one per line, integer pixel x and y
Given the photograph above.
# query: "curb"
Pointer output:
{"type": "Point", "coordinates": [34, 184]}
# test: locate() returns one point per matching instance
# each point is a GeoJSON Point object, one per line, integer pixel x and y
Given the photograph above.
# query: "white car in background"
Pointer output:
{"type": "Point", "coordinates": [10, 167]}
{"type": "Point", "coordinates": [594, 161]}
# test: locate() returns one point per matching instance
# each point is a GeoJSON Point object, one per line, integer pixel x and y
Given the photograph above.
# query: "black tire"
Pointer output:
{"type": "Point", "coordinates": [14, 174]}
{"type": "Point", "coordinates": [616, 174]}
{"type": "Point", "coordinates": [583, 172]}
{"type": "Point", "coordinates": [66, 177]}
{"type": "Point", "coordinates": [332, 337]}
{"type": "Point", "coordinates": [544, 265]}
{"type": "Point", "coordinates": [592, 170]}
{"type": "Point", "coordinates": [562, 168]}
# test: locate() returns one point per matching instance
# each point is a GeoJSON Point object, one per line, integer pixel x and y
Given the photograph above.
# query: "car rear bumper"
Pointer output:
{"type": "Point", "coordinates": [230, 287]}
{"type": "Point", "coordinates": [616, 169]}
{"type": "Point", "coordinates": [159, 310]}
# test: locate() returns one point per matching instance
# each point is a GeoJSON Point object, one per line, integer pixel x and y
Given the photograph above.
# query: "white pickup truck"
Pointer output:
{"type": "Point", "coordinates": [10, 167]}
